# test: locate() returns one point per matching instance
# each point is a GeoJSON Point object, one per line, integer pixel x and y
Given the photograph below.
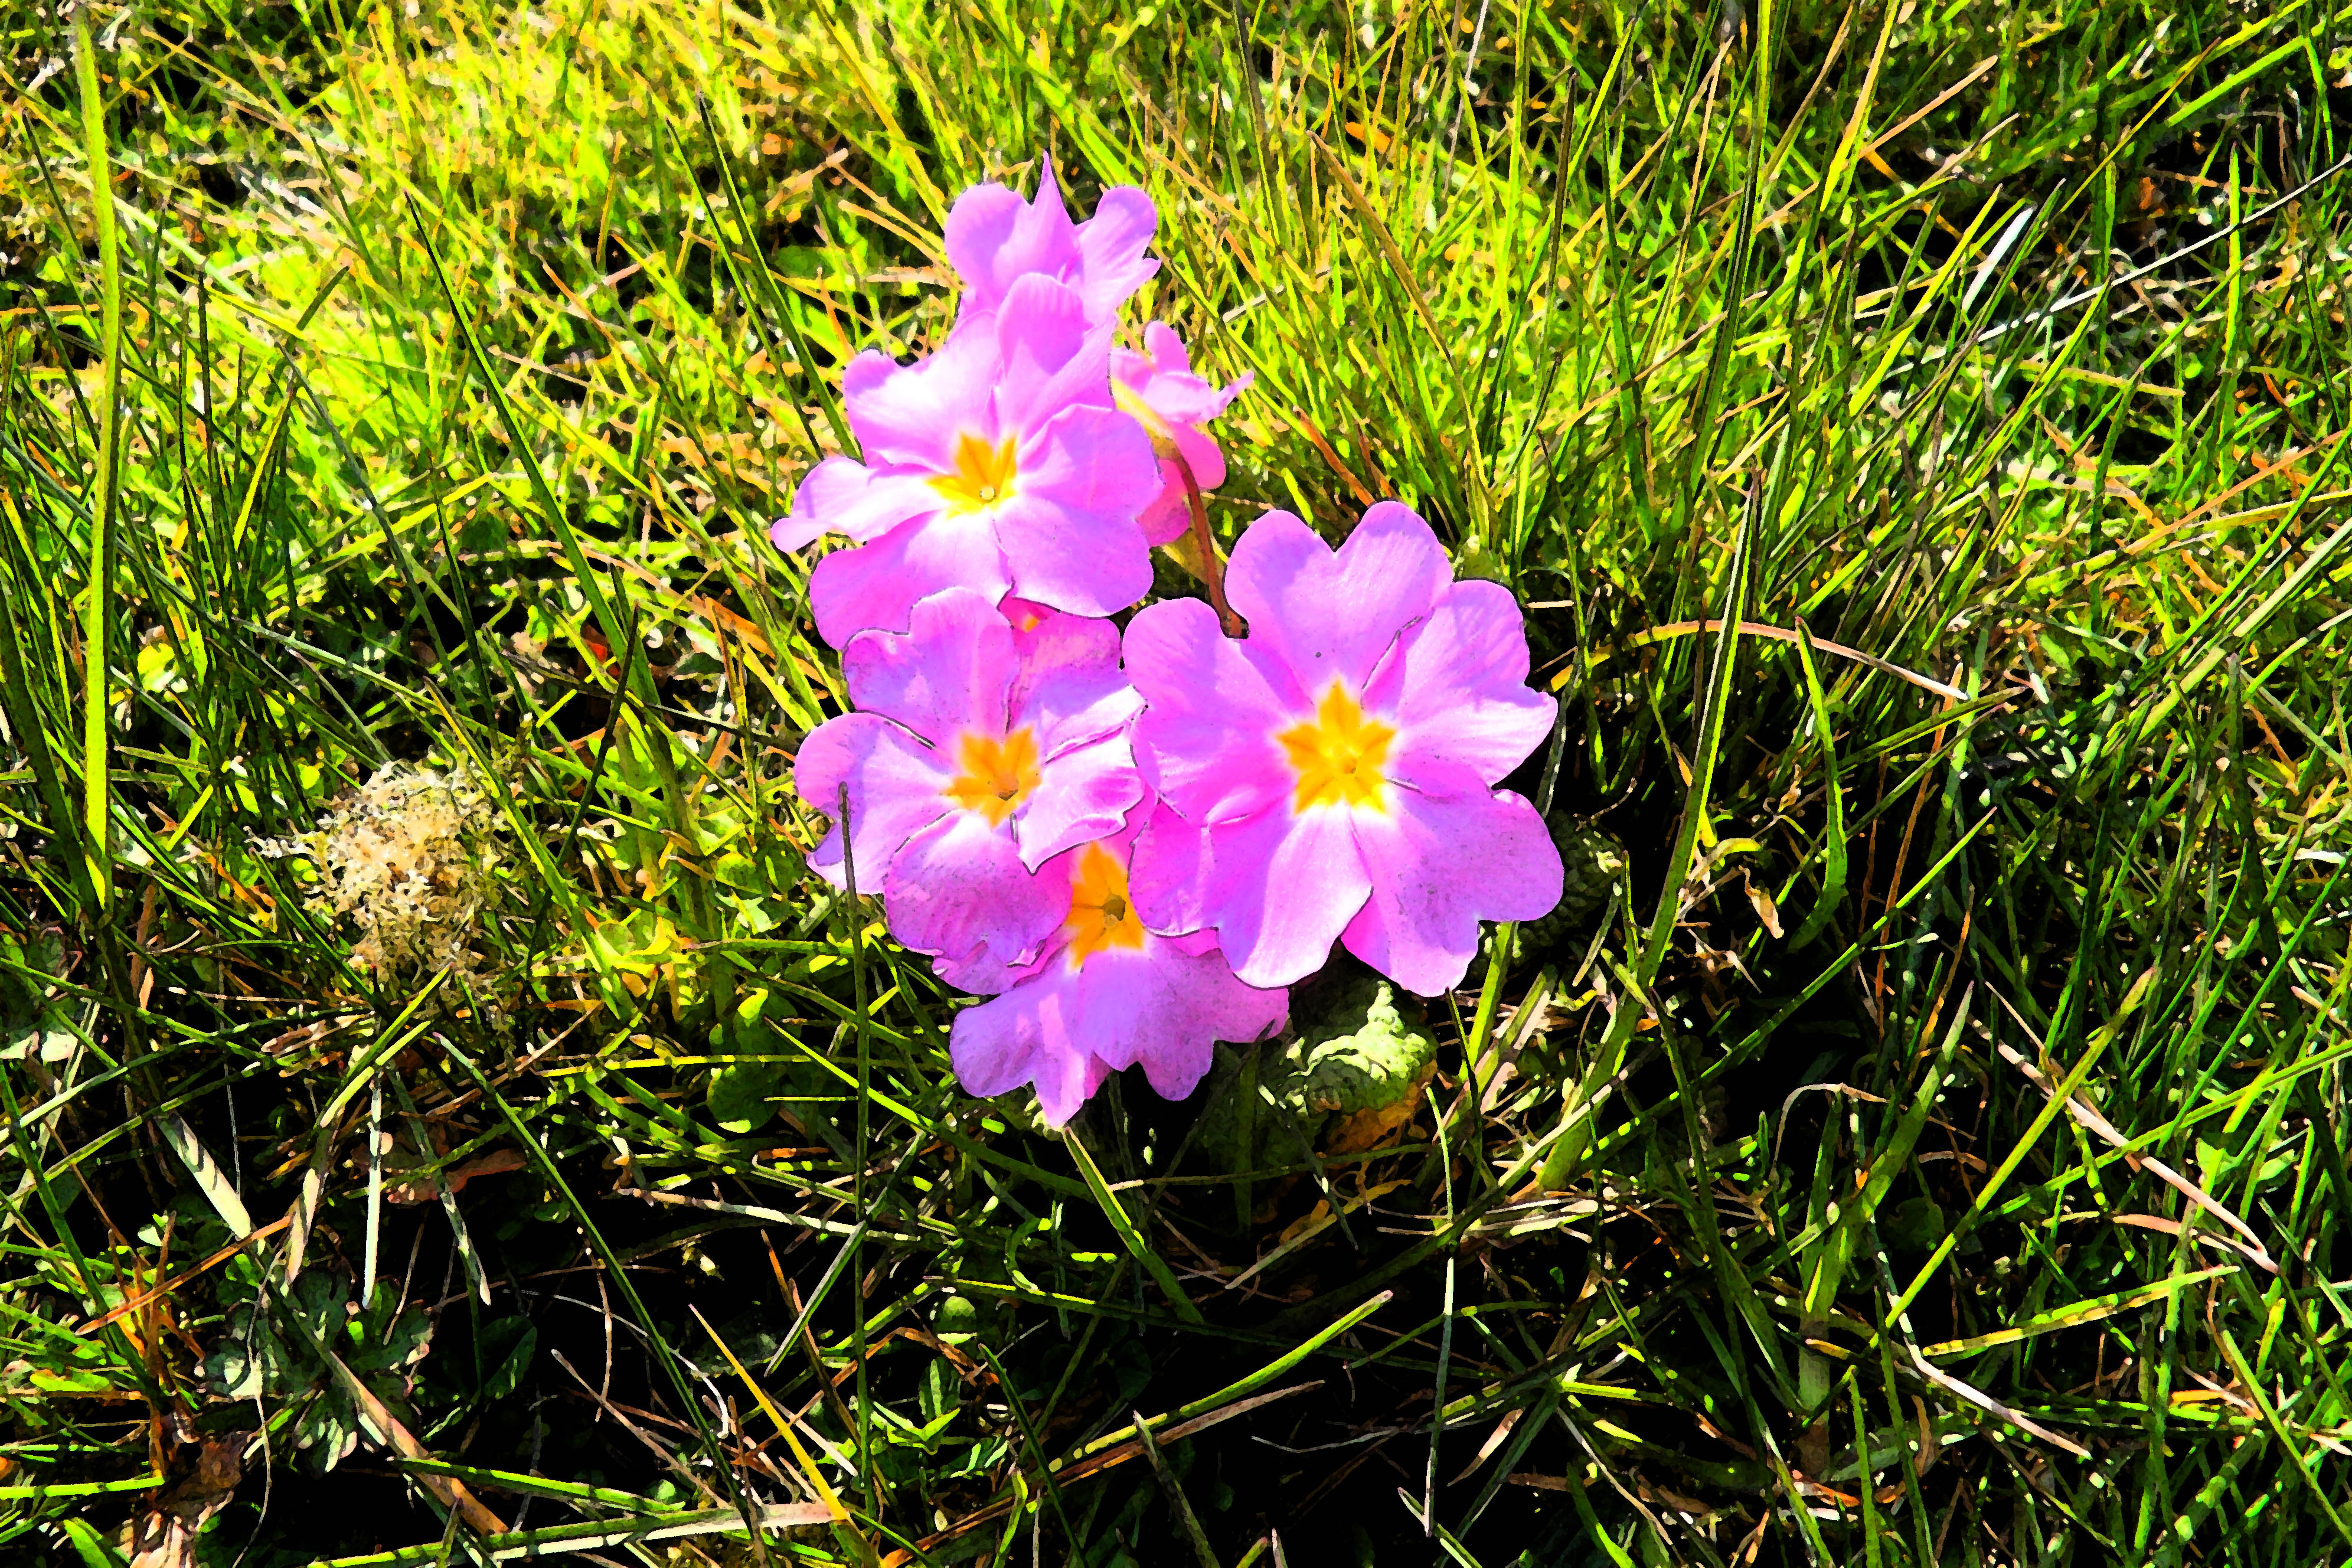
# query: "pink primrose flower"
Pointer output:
{"type": "Point", "coordinates": [998, 463]}
{"type": "Point", "coordinates": [1158, 388]}
{"type": "Point", "coordinates": [994, 238]}
{"type": "Point", "coordinates": [1331, 775]}
{"type": "Point", "coordinates": [1104, 995]}
{"type": "Point", "coordinates": [979, 754]}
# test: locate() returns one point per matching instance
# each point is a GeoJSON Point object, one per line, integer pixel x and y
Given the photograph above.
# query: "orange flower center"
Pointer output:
{"type": "Point", "coordinates": [1338, 754]}
{"type": "Point", "coordinates": [997, 775]}
{"type": "Point", "coordinates": [1100, 917]}
{"type": "Point", "coordinates": [984, 475]}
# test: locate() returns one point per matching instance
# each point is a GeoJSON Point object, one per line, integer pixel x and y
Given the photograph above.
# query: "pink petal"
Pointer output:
{"type": "Point", "coordinates": [1048, 357]}
{"type": "Point", "coordinates": [1440, 867]}
{"type": "Point", "coordinates": [1111, 245]}
{"type": "Point", "coordinates": [1278, 890]}
{"type": "Point", "coordinates": [959, 888]}
{"type": "Point", "coordinates": [914, 415]}
{"type": "Point", "coordinates": [993, 1052]}
{"type": "Point", "coordinates": [1165, 1009]}
{"type": "Point", "coordinates": [876, 585]}
{"type": "Point", "coordinates": [1025, 1037]}
{"type": "Point", "coordinates": [1171, 876]}
{"type": "Point", "coordinates": [1170, 511]}
{"type": "Point", "coordinates": [1456, 687]}
{"type": "Point", "coordinates": [1167, 351]}
{"type": "Point", "coordinates": [994, 237]}
{"type": "Point", "coordinates": [1068, 534]}
{"type": "Point", "coordinates": [1070, 688]}
{"type": "Point", "coordinates": [950, 672]}
{"type": "Point", "coordinates": [1289, 906]}
{"type": "Point", "coordinates": [1323, 614]}
{"type": "Point", "coordinates": [1081, 796]}
{"type": "Point", "coordinates": [842, 495]}
{"type": "Point", "coordinates": [1205, 738]}
{"type": "Point", "coordinates": [894, 782]}
{"type": "Point", "coordinates": [978, 227]}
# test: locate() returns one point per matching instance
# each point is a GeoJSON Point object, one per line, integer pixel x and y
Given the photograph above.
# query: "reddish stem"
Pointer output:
{"type": "Point", "coordinates": [1213, 570]}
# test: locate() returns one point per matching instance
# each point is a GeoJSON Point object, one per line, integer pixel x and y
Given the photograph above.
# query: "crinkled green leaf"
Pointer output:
{"type": "Point", "coordinates": [1354, 1050]}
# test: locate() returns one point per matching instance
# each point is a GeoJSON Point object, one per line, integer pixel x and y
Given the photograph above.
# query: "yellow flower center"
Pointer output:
{"type": "Point", "coordinates": [984, 475]}
{"type": "Point", "coordinates": [1100, 917]}
{"type": "Point", "coordinates": [1338, 754]}
{"type": "Point", "coordinates": [997, 775]}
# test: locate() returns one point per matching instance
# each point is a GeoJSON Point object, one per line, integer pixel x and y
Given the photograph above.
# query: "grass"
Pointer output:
{"type": "Point", "coordinates": [1917, 434]}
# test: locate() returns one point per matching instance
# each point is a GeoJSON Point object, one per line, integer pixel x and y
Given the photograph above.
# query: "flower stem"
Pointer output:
{"type": "Point", "coordinates": [1213, 570]}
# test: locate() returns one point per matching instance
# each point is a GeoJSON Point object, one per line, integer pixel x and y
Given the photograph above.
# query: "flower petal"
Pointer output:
{"type": "Point", "coordinates": [1068, 534]}
{"type": "Point", "coordinates": [1440, 867]}
{"type": "Point", "coordinates": [1278, 890]}
{"type": "Point", "coordinates": [1165, 1009]}
{"type": "Point", "coordinates": [1082, 795]}
{"type": "Point", "coordinates": [894, 781]}
{"type": "Point", "coordinates": [950, 672]}
{"type": "Point", "coordinates": [1025, 1037]}
{"type": "Point", "coordinates": [1323, 614]}
{"type": "Point", "coordinates": [1205, 739]}
{"type": "Point", "coordinates": [1111, 245]}
{"type": "Point", "coordinates": [913, 415]}
{"type": "Point", "coordinates": [842, 495]}
{"type": "Point", "coordinates": [958, 889]}
{"type": "Point", "coordinates": [1048, 357]}
{"type": "Point", "coordinates": [1070, 688]}
{"type": "Point", "coordinates": [1457, 687]}
{"type": "Point", "coordinates": [874, 586]}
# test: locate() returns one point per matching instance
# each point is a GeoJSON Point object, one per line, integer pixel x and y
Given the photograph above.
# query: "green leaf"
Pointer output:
{"type": "Point", "coordinates": [1356, 1054]}
{"type": "Point", "coordinates": [738, 1094]}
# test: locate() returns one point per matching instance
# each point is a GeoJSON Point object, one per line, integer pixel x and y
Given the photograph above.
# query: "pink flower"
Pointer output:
{"type": "Point", "coordinates": [1106, 995]}
{"type": "Point", "coordinates": [994, 238]}
{"type": "Point", "coordinates": [980, 753]}
{"type": "Point", "coordinates": [997, 463]}
{"type": "Point", "coordinates": [1158, 387]}
{"type": "Point", "coordinates": [1331, 776]}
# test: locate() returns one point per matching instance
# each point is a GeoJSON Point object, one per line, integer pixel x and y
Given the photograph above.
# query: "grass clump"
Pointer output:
{"type": "Point", "coordinates": [1916, 437]}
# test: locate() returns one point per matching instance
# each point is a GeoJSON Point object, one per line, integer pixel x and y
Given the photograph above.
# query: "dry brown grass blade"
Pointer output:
{"type": "Point", "coordinates": [448, 1489]}
{"type": "Point", "coordinates": [1984, 1401]}
{"type": "Point", "coordinates": [2089, 1118]}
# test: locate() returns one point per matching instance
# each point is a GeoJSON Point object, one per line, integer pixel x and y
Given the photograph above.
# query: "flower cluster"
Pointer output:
{"type": "Point", "coordinates": [1133, 843]}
